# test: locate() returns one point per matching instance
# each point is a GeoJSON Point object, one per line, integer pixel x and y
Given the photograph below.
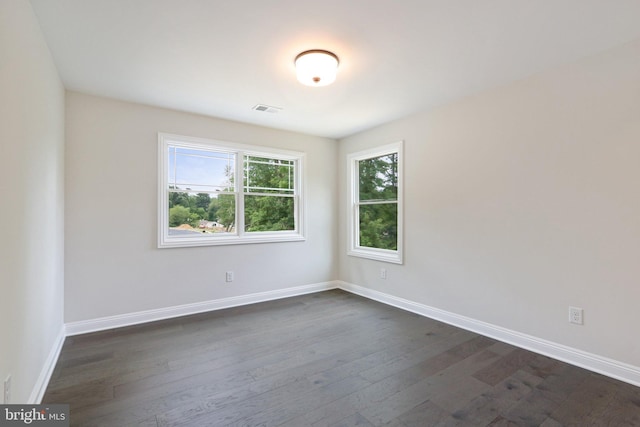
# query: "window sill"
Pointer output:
{"type": "Point", "coordinates": [394, 257]}
{"type": "Point", "coordinates": [230, 240]}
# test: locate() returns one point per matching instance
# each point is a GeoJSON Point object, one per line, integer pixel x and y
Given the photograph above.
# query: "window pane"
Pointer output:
{"type": "Point", "coordinates": [269, 213]}
{"type": "Point", "coordinates": [200, 170]}
{"type": "Point", "coordinates": [192, 214]}
{"type": "Point", "coordinates": [217, 193]}
{"type": "Point", "coordinates": [265, 175]}
{"type": "Point", "coordinates": [379, 226]}
{"type": "Point", "coordinates": [378, 178]}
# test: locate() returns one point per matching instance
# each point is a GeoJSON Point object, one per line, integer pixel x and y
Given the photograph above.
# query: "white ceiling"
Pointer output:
{"type": "Point", "coordinates": [220, 58]}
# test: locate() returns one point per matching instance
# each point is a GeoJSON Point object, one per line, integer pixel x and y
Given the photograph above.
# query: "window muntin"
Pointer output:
{"type": "Point", "coordinates": [375, 214]}
{"type": "Point", "coordinates": [268, 175]}
{"type": "Point", "coordinates": [222, 193]}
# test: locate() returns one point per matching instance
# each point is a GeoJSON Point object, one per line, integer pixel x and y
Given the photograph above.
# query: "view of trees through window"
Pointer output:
{"type": "Point", "coordinates": [201, 212]}
{"type": "Point", "coordinates": [269, 189]}
{"type": "Point", "coordinates": [203, 194]}
{"type": "Point", "coordinates": [378, 202]}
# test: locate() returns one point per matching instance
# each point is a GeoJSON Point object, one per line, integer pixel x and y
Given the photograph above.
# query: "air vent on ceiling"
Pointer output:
{"type": "Point", "coordinates": [267, 108]}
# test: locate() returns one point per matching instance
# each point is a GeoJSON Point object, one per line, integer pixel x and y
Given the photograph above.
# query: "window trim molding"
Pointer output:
{"type": "Point", "coordinates": [353, 248]}
{"type": "Point", "coordinates": [240, 236]}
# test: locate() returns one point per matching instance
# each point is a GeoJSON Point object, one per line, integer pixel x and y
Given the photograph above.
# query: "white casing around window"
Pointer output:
{"type": "Point", "coordinates": [239, 237]}
{"type": "Point", "coordinates": [353, 248]}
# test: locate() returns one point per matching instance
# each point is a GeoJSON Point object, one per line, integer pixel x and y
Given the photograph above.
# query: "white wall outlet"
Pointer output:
{"type": "Point", "coordinates": [229, 276]}
{"type": "Point", "coordinates": [383, 273]}
{"type": "Point", "coordinates": [576, 315]}
{"type": "Point", "coordinates": [7, 390]}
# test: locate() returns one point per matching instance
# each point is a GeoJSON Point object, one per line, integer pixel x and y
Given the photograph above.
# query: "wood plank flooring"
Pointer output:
{"type": "Point", "coordinates": [320, 360]}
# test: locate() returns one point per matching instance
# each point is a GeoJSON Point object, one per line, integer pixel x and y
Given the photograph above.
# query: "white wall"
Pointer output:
{"type": "Point", "coordinates": [32, 208]}
{"type": "Point", "coordinates": [112, 263]}
{"type": "Point", "coordinates": [522, 201]}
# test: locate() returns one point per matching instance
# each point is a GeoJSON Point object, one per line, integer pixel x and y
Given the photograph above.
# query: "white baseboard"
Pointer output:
{"type": "Point", "coordinates": [37, 393]}
{"type": "Point", "coordinates": [103, 323]}
{"type": "Point", "coordinates": [593, 362]}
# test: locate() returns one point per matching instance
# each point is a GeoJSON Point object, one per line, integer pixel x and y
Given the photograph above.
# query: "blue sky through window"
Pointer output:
{"type": "Point", "coordinates": [200, 170]}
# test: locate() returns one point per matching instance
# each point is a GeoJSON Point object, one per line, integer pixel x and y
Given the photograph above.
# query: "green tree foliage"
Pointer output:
{"type": "Point", "coordinates": [202, 201]}
{"type": "Point", "coordinates": [265, 175]}
{"type": "Point", "coordinates": [269, 212]}
{"type": "Point", "coordinates": [179, 215]}
{"type": "Point", "coordinates": [378, 182]}
{"type": "Point", "coordinates": [224, 206]}
{"type": "Point", "coordinates": [378, 178]}
{"type": "Point", "coordinates": [226, 210]}
{"type": "Point", "coordinates": [179, 198]}
{"type": "Point", "coordinates": [186, 208]}
{"type": "Point", "coordinates": [212, 210]}
{"type": "Point", "coordinates": [379, 226]}
{"type": "Point", "coordinates": [269, 206]}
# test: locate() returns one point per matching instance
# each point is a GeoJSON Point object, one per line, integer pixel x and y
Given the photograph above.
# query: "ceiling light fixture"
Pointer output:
{"type": "Point", "coordinates": [316, 67]}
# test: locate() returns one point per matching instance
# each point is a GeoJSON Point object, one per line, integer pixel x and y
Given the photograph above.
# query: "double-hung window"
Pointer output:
{"type": "Point", "coordinates": [213, 193]}
{"type": "Point", "coordinates": [375, 208]}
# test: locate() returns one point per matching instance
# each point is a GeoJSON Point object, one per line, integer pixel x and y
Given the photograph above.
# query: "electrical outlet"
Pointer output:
{"type": "Point", "coordinates": [383, 273]}
{"type": "Point", "coordinates": [575, 315]}
{"type": "Point", "coordinates": [229, 276]}
{"type": "Point", "coordinates": [7, 390]}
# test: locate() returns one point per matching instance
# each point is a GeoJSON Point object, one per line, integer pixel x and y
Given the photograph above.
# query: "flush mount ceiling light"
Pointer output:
{"type": "Point", "coordinates": [316, 67]}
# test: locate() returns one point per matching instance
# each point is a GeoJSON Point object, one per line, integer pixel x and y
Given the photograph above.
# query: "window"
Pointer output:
{"type": "Point", "coordinates": [375, 208]}
{"type": "Point", "coordinates": [213, 193]}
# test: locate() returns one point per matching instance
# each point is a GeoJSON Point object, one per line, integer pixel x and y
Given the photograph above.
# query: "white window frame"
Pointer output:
{"type": "Point", "coordinates": [354, 248]}
{"type": "Point", "coordinates": [165, 140]}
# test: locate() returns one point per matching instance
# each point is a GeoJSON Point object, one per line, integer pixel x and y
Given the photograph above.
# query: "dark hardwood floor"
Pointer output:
{"type": "Point", "coordinates": [325, 359]}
